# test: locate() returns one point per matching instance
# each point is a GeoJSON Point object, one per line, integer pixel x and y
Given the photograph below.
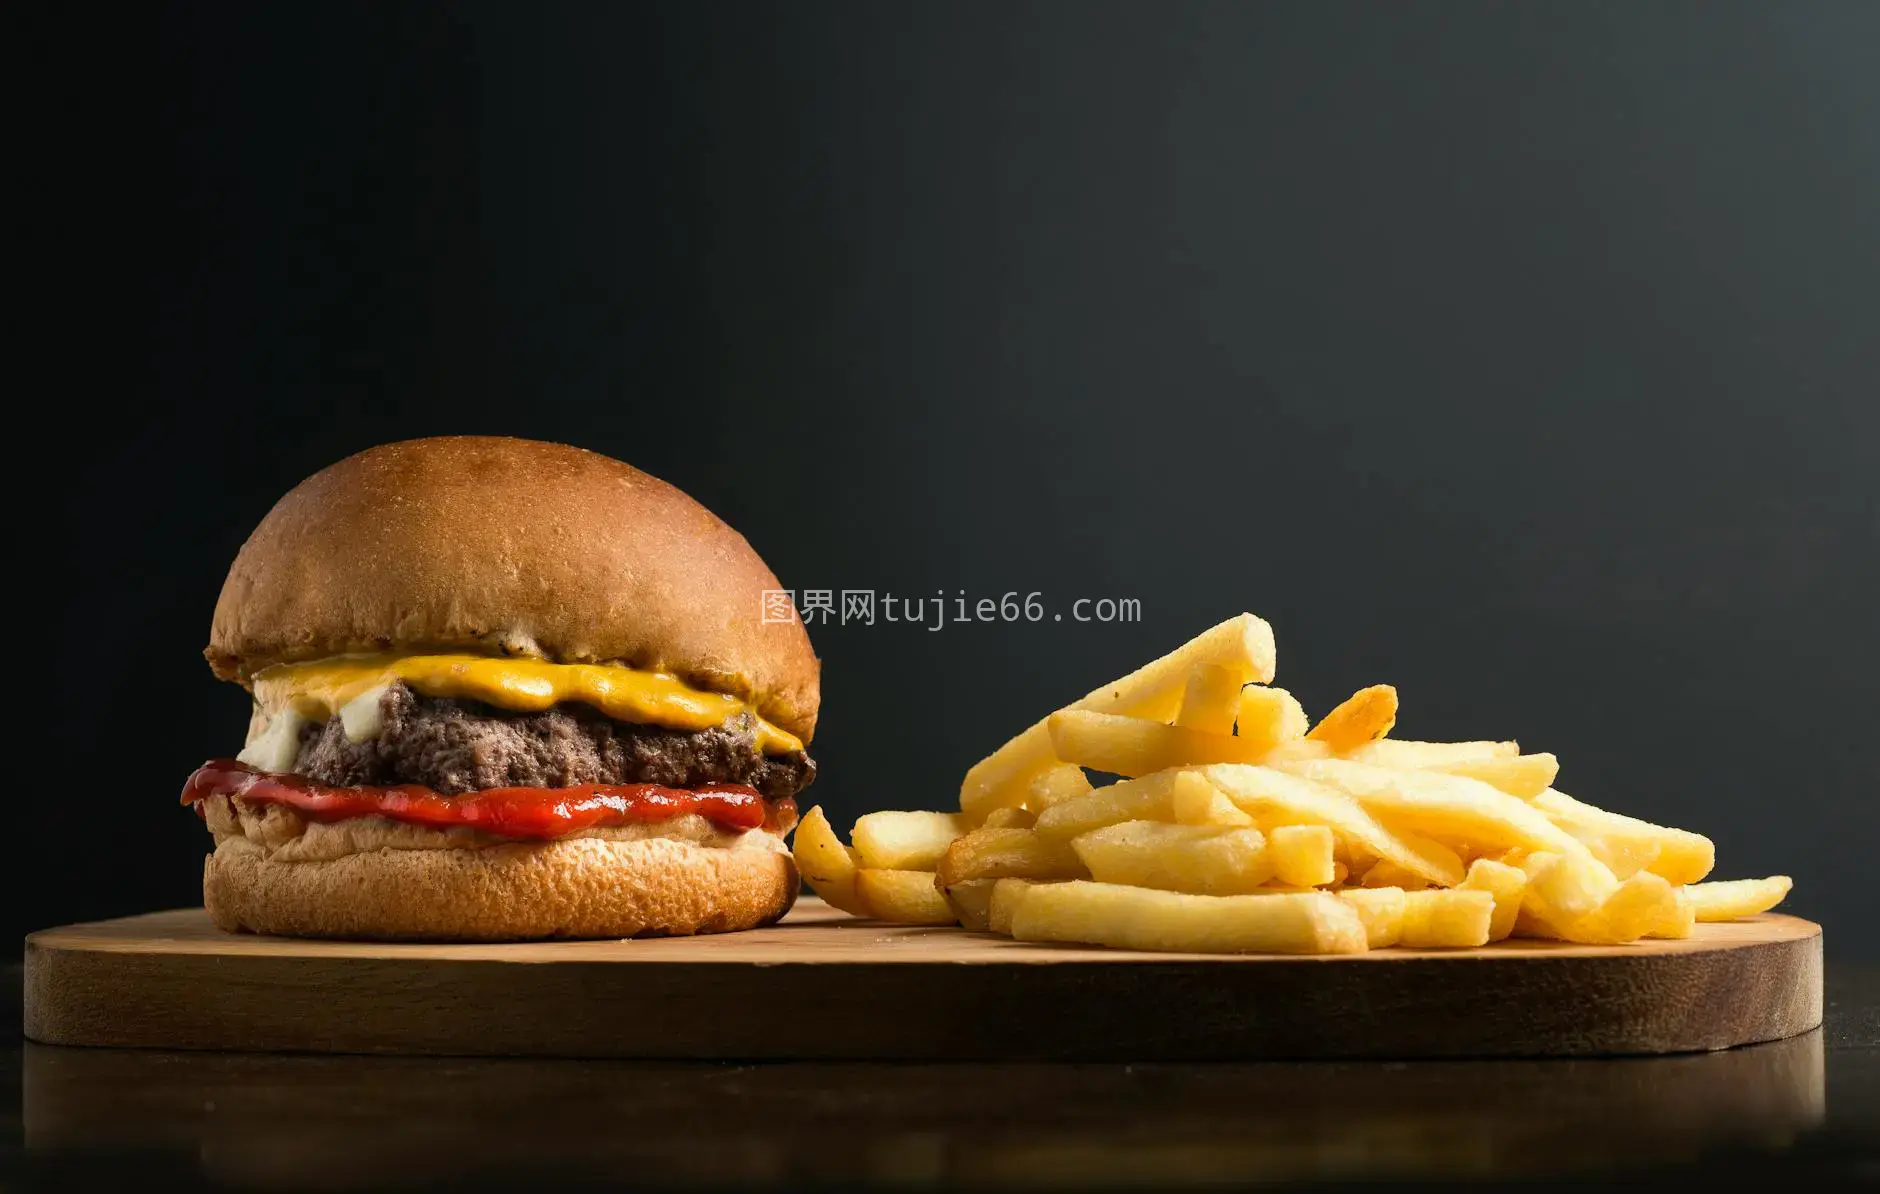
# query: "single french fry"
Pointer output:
{"type": "Point", "coordinates": [1385, 874]}
{"type": "Point", "coordinates": [1211, 699]}
{"type": "Point", "coordinates": [1302, 855]}
{"type": "Point", "coordinates": [1296, 750]}
{"type": "Point", "coordinates": [1732, 898]}
{"type": "Point", "coordinates": [993, 853]}
{"type": "Point", "coordinates": [1454, 919]}
{"type": "Point", "coordinates": [1147, 799]}
{"type": "Point", "coordinates": [1004, 778]}
{"type": "Point", "coordinates": [904, 897]}
{"type": "Point", "coordinates": [1011, 818]}
{"type": "Point", "coordinates": [1194, 858]}
{"type": "Point", "coordinates": [972, 903]}
{"type": "Point", "coordinates": [1242, 644]}
{"type": "Point", "coordinates": [1271, 714]}
{"type": "Point", "coordinates": [1132, 747]}
{"type": "Point", "coordinates": [825, 863]}
{"type": "Point", "coordinates": [1308, 922]}
{"type": "Point", "coordinates": [909, 841]}
{"type": "Point", "coordinates": [1403, 752]}
{"type": "Point", "coordinates": [1680, 920]}
{"type": "Point", "coordinates": [1522, 776]}
{"type": "Point", "coordinates": [1056, 784]}
{"type": "Point", "coordinates": [1682, 857]}
{"type": "Point", "coordinates": [1006, 896]}
{"type": "Point", "coordinates": [1625, 854]}
{"type": "Point", "coordinates": [1507, 884]}
{"type": "Point", "coordinates": [1195, 801]}
{"type": "Point", "coordinates": [1380, 909]}
{"type": "Point", "coordinates": [1276, 796]}
{"type": "Point", "coordinates": [1366, 714]}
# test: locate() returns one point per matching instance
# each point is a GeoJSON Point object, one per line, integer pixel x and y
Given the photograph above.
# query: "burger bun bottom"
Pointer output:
{"type": "Point", "coordinates": [519, 891]}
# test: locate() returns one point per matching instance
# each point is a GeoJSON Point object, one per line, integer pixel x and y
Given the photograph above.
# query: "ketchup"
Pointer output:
{"type": "Point", "coordinates": [536, 813]}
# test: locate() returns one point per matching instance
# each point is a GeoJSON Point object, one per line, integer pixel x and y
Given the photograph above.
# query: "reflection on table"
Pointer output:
{"type": "Point", "coordinates": [306, 1122]}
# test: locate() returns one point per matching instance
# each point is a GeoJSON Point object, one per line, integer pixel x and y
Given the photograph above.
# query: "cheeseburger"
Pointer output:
{"type": "Point", "coordinates": [503, 690]}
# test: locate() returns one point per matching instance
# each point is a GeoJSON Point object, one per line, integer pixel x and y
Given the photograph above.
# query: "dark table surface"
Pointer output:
{"type": "Point", "coordinates": [1803, 1109]}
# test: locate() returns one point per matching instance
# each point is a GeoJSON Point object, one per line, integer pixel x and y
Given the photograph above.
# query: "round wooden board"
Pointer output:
{"type": "Point", "coordinates": [823, 986]}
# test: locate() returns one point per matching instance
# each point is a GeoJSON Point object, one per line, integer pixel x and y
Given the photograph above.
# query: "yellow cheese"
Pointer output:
{"type": "Point", "coordinates": [319, 690]}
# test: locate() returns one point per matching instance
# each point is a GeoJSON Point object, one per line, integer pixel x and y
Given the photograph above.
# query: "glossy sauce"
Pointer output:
{"type": "Point", "coordinates": [531, 813]}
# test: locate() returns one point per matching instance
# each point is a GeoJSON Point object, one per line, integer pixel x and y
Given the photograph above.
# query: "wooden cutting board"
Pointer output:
{"type": "Point", "coordinates": [822, 985]}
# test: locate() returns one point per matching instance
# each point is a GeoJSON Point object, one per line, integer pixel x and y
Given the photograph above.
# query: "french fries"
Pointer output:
{"type": "Point", "coordinates": [1623, 854]}
{"type": "Point", "coordinates": [1302, 855]}
{"type": "Point", "coordinates": [1056, 784]}
{"type": "Point", "coordinates": [1399, 752]}
{"type": "Point", "coordinates": [1455, 918]}
{"type": "Point", "coordinates": [1310, 922]}
{"type": "Point", "coordinates": [1643, 905]}
{"type": "Point", "coordinates": [1131, 747]}
{"type": "Point", "coordinates": [1561, 889]}
{"type": "Point", "coordinates": [1523, 776]}
{"type": "Point", "coordinates": [1270, 713]}
{"type": "Point", "coordinates": [905, 841]}
{"type": "Point", "coordinates": [1681, 919]}
{"type": "Point", "coordinates": [971, 902]}
{"type": "Point", "coordinates": [1508, 884]}
{"type": "Point", "coordinates": [1192, 858]}
{"type": "Point", "coordinates": [1441, 805]}
{"type": "Point", "coordinates": [1006, 893]}
{"type": "Point", "coordinates": [1735, 898]}
{"type": "Point", "coordinates": [1011, 818]}
{"type": "Point", "coordinates": [825, 863]}
{"type": "Point", "coordinates": [1211, 702]}
{"type": "Point", "coordinates": [1385, 874]}
{"type": "Point", "coordinates": [1238, 826]}
{"type": "Point", "coordinates": [1194, 801]}
{"type": "Point", "coordinates": [1273, 797]}
{"type": "Point", "coordinates": [1366, 714]}
{"type": "Point", "coordinates": [907, 897]}
{"type": "Point", "coordinates": [1243, 645]}
{"type": "Point", "coordinates": [1679, 855]}
{"type": "Point", "coordinates": [1148, 799]}
{"type": "Point", "coordinates": [1380, 910]}
{"type": "Point", "coordinates": [993, 853]}
{"type": "Point", "coordinates": [1296, 750]}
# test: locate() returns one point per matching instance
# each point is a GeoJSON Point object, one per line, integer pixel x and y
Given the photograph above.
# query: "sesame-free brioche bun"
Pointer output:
{"type": "Point", "coordinates": [570, 888]}
{"type": "Point", "coordinates": [485, 543]}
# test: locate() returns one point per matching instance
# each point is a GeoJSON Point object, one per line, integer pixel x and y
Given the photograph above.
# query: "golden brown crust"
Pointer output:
{"type": "Point", "coordinates": [513, 546]}
{"type": "Point", "coordinates": [577, 888]}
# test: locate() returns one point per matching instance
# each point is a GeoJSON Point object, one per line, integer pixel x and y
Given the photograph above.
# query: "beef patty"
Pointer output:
{"type": "Point", "coordinates": [455, 746]}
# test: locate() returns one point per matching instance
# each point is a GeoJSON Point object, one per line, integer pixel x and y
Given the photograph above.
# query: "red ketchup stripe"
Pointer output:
{"type": "Point", "coordinates": [507, 812]}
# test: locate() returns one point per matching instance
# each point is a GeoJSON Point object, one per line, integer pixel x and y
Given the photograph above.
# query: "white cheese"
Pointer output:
{"type": "Point", "coordinates": [273, 743]}
{"type": "Point", "coordinates": [362, 717]}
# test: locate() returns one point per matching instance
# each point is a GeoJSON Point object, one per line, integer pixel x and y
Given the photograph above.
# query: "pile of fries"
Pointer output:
{"type": "Point", "coordinates": [1239, 826]}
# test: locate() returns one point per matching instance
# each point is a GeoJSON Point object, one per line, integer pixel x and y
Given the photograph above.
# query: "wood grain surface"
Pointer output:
{"type": "Point", "coordinates": [823, 986]}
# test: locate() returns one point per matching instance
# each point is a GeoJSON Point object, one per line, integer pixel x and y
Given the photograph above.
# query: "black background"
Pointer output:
{"type": "Point", "coordinates": [1523, 356]}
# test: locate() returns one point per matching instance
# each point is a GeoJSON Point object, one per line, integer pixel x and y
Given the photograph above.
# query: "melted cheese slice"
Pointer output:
{"type": "Point", "coordinates": [319, 690]}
